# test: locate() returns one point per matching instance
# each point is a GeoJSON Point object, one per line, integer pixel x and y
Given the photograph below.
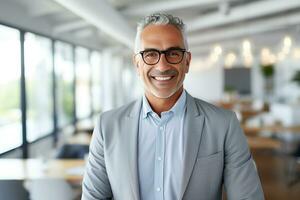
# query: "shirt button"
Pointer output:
{"type": "Point", "coordinates": [158, 189]}
{"type": "Point", "coordinates": [159, 158]}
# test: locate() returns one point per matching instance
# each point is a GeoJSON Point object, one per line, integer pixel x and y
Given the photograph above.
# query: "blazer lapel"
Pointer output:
{"type": "Point", "coordinates": [131, 124]}
{"type": "Point", "coordinates": [193, 127]}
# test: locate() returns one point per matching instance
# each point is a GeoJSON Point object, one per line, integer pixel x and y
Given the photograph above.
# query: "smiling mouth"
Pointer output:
{"type": "Point", "coordinates": [162, 78]}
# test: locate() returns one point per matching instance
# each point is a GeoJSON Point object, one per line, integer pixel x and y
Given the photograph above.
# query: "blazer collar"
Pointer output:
{"type": "Point", "coordinates": [192, 108]}
{"type": "Point", "coordinates": [131, 125]}
{"type": "Point", "coordinates": [136, 108]}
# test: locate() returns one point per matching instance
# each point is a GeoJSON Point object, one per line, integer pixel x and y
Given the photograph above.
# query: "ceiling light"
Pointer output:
{"type": "Point", "coordinates": [287, 41]}
{"type": "Point", "coordinates": [230, 60]}
{"type": "Point", "coordinates": [218, 50]}
{"type": "Point", "coordinates": [246, 45]}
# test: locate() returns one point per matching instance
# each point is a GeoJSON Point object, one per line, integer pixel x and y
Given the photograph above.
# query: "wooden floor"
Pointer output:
{"type": "Point", "coordinates": [275, 173]}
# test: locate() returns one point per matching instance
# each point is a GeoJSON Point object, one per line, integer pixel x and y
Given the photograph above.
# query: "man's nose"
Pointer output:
{"type": "Point", "coordinates": [163, 64]}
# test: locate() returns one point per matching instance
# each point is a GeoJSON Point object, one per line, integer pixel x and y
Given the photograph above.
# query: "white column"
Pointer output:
{"type": "Point", "coordinates": [107, 80]}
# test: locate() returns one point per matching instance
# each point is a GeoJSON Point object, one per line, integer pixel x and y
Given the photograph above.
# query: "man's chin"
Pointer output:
{"type": "Point", "coordinates": [163, 95]}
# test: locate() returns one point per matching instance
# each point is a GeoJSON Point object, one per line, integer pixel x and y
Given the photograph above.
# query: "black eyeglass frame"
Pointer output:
{"type": "Point", "coordinates": [163, 52]}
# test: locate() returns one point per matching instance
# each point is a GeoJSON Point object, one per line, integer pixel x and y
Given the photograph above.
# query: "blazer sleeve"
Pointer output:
{"type": "Point", "coordinates": [241, 179]}
{"type": "Point", "coordinates": [95, 185]}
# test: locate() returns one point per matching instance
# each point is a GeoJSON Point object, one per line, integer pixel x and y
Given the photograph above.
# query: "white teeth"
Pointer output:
{"type": "Point", "coordinates": [163, 78]}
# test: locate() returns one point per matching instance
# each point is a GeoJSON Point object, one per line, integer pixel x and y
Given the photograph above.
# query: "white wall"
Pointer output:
{"type": "Point", "coordinates": [206, 84]}
{"type": "Point", "coordinates": [257, 81]}
{"type": "Point", "coordinates": [107, 83]}
{"type": "Point", "coordinates": [284, 88]}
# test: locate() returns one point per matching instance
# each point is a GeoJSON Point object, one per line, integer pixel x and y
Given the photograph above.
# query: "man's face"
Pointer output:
{"type": "Point", "coordinates": [163, 79]}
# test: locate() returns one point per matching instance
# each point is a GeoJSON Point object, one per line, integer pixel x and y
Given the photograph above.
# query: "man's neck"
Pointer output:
{"type": "Point", "coordinates": [160, 105]}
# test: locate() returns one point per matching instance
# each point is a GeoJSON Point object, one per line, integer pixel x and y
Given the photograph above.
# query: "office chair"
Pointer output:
{"type": "Point", "coordinates": [72, 151]}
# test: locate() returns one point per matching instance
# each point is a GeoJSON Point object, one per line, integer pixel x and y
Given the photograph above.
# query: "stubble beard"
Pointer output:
{"type": "Point", "coordinates": [153, 91]}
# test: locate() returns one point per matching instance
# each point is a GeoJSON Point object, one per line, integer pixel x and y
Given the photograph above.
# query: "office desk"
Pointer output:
{"type": "Point", "coordinates": [80, 138]}
{"type": "Point", "coordinates": [257, 142]}
{"type": "Point", "coordinates": [274, 129]}
{"type": "Point", "coordinates": [32, 169]}
{"type": "Point", "coordinates": [245, 108]}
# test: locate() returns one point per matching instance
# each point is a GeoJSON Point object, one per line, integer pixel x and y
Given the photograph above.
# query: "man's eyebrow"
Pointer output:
{"type": "Point", "coordinates": [176, 47]}
{"type": "Point", "coordinates": [149, 49]}
{"type": "Point", "coordinates": [170, 48]}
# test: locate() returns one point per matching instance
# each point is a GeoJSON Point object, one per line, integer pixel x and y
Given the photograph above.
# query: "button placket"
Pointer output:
{"type": "Point", "coordinates": [159, 164]}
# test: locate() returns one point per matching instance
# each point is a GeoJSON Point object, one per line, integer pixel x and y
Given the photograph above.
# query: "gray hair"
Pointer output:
{"type": "Point", "coordinates": [159, 19]}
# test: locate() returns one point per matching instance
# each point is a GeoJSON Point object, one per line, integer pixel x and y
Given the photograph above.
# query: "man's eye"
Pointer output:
{"type": "Point", "coordinates": [150, 54]}
{"type": "Point", "coordinates": [174, 53]}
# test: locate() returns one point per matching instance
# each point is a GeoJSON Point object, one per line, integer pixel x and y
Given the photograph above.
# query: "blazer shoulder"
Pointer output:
{"type": "Point", "coordinates": [120, 112]}
{"type": "Point", "coordinates": [218, 119]}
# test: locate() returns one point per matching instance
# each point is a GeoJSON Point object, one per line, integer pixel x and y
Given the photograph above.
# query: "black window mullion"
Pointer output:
{"type": "Point", "coordinates": [54, 99]}
{"type": "Point", "coordinates": [23, 97]}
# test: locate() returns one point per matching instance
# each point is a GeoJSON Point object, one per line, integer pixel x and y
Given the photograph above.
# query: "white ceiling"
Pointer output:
{"type": "Point", "coordinates": [101, 23]}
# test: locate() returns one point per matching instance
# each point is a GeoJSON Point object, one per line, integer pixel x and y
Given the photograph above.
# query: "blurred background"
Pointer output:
{"type": "Point", "coordinates": [63, 62]}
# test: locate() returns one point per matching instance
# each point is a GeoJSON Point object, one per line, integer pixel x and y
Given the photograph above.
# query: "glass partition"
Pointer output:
{"type": "Point", "coordinates": [83, 89]}
{"type": "Point", "coordinates": [10, 73]}
{"type": "Point", "coordinates": [38, 75]}
{"type": "Point", "coordinates": [64, 72]}
{"type": "Point", "coordinates": [96, 81]}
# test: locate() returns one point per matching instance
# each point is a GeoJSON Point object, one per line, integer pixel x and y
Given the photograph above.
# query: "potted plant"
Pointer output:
{"type": "Point", "coordinates": [268, 71]}
{"type": "Point", "coordinates": [296, 104]}
{"type": "Point", "coordinates": [296, 77]}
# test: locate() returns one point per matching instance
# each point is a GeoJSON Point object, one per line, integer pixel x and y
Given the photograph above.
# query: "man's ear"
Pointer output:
{"type": "Point", "coordinates": [188, 61]}
{"type": "Point", "coordinates": [135, 61]}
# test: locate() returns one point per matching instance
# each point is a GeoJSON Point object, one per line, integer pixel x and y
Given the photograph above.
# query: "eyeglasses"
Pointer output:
{"type": "Point", "coordinates": [173, 55]}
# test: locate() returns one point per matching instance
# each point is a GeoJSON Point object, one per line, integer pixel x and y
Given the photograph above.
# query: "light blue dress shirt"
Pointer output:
{"type": "Point", "coordinates": [160, 151]}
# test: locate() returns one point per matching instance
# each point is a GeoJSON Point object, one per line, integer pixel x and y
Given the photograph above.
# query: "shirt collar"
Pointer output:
{"type": "Point", "coordinates": [179, 106]}
{"type": "Point", "coordinates": [146, 107]}
{"type": "Point", "coordinates": [177, 109]}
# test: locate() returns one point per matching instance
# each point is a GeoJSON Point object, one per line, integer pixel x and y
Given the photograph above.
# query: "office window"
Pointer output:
{"type": "Point", "coordinates": [38, 75]}
{"type": "Point", "coordinates": [96, 81]}
{"type": "Point", "coordinates": [10, 112]}
{"type": "Point", "coordinates": [64, 72]}
{"type": "Point", "coordinates": [83, 92]}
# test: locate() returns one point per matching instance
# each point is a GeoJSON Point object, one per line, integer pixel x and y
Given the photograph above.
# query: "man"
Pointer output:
{"type": "Point", "coordinates": [168, 145]}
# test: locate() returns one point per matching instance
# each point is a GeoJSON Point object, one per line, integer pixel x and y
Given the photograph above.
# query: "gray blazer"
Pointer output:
{"type": "Point", "coordinates": [216, 153]}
